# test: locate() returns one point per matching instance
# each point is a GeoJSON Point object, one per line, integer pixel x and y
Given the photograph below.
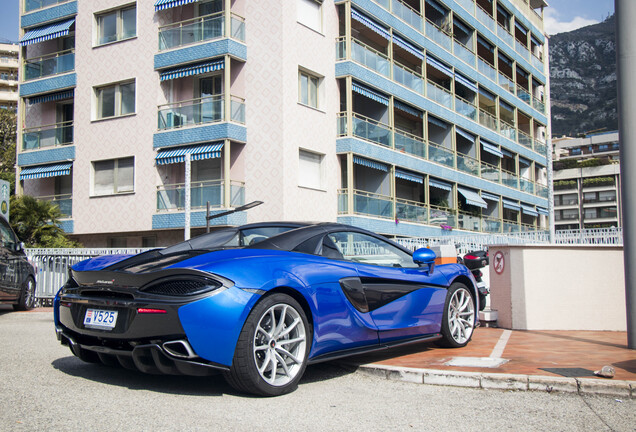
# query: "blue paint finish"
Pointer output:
{"type": "Point", "coordinates": [67, 226]}
{"type": "Point", "coordinates": [197, 219]}
{"type": "Point", "coordinates": [423, 166]}
{"type": "Point", "coordinates": [199, 134]}
{"type": "Point", "coordinates": [47, 85]}
{"type": "Point", "coordinates": [203, 51]}
{"type": "Point", "coordinates": [39, 157]}
{"type": "Point", "coordinates": [43, 16]}
{"type": "Point", "coordinates": [367, 76]}
{"type": "Point", "coordinates": [99, 262]}
{"type": "Point", "coordinates": [213, 324]}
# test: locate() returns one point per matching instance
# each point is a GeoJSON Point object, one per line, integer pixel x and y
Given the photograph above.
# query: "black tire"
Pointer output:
{"type": "Point", "coordinates": [458, 307]}
{"type": "Point", "coordinates": [482, 302]}
{"type": "Point", "coordinates": [244, 375]}
{"type": "Point", "coordinates": [27, 296]}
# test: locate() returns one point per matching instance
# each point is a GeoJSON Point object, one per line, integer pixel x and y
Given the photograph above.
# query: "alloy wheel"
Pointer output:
{"type": "Point", "coordinates": [461, 316]}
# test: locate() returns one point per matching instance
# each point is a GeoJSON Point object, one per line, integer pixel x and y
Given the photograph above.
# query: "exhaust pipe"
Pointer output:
{"type": "Point", "coordinates": [179, 349]}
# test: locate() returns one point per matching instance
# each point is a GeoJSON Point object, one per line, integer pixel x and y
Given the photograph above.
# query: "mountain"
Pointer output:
{"type": "Point", "coordinates": [583, 79]}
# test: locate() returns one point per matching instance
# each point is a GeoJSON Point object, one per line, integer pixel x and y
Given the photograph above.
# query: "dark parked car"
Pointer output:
{"type": "Point", "coordinates": [17, 276]}
{"type": "Point", "coordinates": [261, 302]}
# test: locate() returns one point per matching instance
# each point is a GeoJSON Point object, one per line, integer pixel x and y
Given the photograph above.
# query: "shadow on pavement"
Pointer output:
{"type": "Point", "coordinates": [576, 339]}
{"type": "Point", "coordinates": [387, 354]}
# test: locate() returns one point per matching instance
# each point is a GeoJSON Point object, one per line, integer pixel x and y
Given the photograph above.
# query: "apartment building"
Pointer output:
{"type": "Point", "coordinates": [9, 76]}
{"type": "Point", "coordinates": [406, 117]}
{"type": "Point", "coordinates": [587, 186]}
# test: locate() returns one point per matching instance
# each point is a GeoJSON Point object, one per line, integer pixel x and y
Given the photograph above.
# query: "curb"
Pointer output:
{"type": "Point", "coordinates": [500, 381]}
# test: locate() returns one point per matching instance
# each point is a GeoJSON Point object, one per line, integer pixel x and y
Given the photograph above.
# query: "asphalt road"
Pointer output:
{"type": "Point", "coordinates": [43, 387]}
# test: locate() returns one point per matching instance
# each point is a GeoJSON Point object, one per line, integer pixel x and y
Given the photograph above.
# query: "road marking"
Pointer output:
{"type": "Point", "coordinates": [497, 352]}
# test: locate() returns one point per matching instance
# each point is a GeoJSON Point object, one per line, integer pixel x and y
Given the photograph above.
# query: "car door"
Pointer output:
{"type": "Point", "coordinates": [403, 300]}
{"type": "Point", "coordinates": [7, 264]}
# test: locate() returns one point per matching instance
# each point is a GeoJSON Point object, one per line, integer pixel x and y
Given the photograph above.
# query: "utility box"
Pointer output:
{"type": "Point", "coordinates": [446, 254]}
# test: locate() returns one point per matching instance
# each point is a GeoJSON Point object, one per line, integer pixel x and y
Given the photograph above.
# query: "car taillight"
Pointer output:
{"type": "Point", "coordinates": [150, 311]}
{"type": "Point", "coordinates": [470, 257]}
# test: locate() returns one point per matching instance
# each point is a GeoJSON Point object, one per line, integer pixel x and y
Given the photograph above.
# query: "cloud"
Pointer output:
{"type": "Point", "coordinates": [553, 23]}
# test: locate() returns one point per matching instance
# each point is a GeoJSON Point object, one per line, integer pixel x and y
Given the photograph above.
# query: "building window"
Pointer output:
{"type": "Point", "coordinates": [116, 25]}
{"type": "Point", "coordinates": [113, 176]}
{"type": "Point", "coordinates": [308, 86]}
{"type": "Point", "coordinates": [310, 14]}
{"type": "Point", "coordinates": [310, 169]}
{"type": "Point", "coordinates": [115, 100]}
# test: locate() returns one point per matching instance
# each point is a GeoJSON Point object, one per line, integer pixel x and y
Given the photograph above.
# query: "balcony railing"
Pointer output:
{"type": "Point", "coordinates": [441, 155]}
{"type": "Point", "coordinates": [172, 196]}
{"type": "Point", "coordinates": [31, 5]}
{"type": "Point", "coordinates": [411, 211]}
{"type": "Point", "coordinates": [485, 18]}
{"type": "Point", "coordinates": [439, 94]}
{"type": "Point", "coordinates": [538, 104]}
{"type": "Point", "coordinates": [407, 14]}
{"type": "Point", "coordinates": [467, 164]}
{"type": "Point", "coordinates": [508, 130]}
{"type": "Point", "coordinates": [370, 58]}
{"type": "Point", "coordinates": [411, 144]}
{"type": "Point", "coordinates": [524, 139]}
{"type": "Point", "coordinates": [469, 5]}
{"type": "Point", "coordinates": [510, 226]}
{"type": "Point", "coordinates": [505, 35]}
{"type": "Point", "coordinates": [486, 69]}
{"type": "Point", "coordinates": [524, 95]}
{"type": "Point", "coordinates": [63, 202]}
{"type": "Point", "coordinates": [372, 204]}
{"type": "Point", "coordinates": [371, 130]}
{"type": "Point", "coordinates": [52, 64]}
{"type": "Point", "coordinates": [540, 147]}
{"type": "Point", "coordinates": [526, 185]}
{"type": "Point", "coordinates": [490, 172]}
{"type": "Point", "coordinates": [468, 221]}
{"type": "Point", "coordinates": [491, 225]}
{"type": "Point", "coordinates": [522, 49]}
{"type": "Point", "coordinates": [200, 29]}
{"type": "Point", "coordinates": [439, 36]}
{"type": "Point", "coordinates": [463, 53]}
{"type": "Point", "coordinates": [509, 179]}
{"type": "Point", "coordinates": [442, 216]}
{"type": "Point", "coordinates": [465, 108]}
{"type": "Point", "coordinates": [506, 83]}
{"type": "Point", "coordinates": [204, 110]}
{"type": "Point", "coordinates": [487, 119]}
{"type": "Point", "coordinates": [47, 136]}
{"type": "Point", "coordinates": [408, 78]}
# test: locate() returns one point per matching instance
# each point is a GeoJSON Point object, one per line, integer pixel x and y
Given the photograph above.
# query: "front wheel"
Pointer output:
{"type": "Point", "coordinates": [272, 350]}
{"type": "Point", "coordinates": [27, 296]}
{"type": "Point", "coordinates": [458, 321]}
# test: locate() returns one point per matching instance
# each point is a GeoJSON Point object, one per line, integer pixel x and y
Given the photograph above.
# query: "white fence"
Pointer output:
{"type": "Point", "coordinates": [52, 265]}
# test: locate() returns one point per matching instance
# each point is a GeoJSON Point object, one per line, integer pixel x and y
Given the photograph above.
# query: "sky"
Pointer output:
{"type": "Point", "coordinates": [560, 16]}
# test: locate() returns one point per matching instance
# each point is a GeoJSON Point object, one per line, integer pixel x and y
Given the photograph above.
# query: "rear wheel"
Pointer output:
{"type": "Point", "coordinates": [27, 296]}
{"type": "Point", "coordinates": [458, 321]}
{"type": "Point", "coordinates": [271, 353]}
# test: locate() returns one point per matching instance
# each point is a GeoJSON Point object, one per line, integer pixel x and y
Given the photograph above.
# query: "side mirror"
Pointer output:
{"type": "Point", "coordinates": [18, 246]}
{"type": "Point", "coordinates": [425, 257]}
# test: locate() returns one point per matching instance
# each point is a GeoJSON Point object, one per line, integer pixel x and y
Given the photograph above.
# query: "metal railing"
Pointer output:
{"type": "Point", "coordinates": [407, 14]}
{"type": "Point", "coordinates": [172, 196]}
{"type": "Point", "coordinates": [464, 53]}
{"type": "Point", "coordinates": [408, 78]}
{"type": "Point", "coordinates": [486, 69]}
{"type": "Point", "coordinates": [47, 136]}
{"type": "Point", "coordinates": [439, 94]}
{"type": "Point", "coordinates": [200, 29]}
{"type": "Point", "coordinates": [465, 108]}
{"type": "Point", "coordinates": [208, 109]}
{"type": "Point", "coordinates": [439, 154]}
{"type": "Point", "coordinates": [50, 64]}
{"type": "Point", "coordinates": [411, 211]}
{"type": "Point", "coordinates": [487, 119]}
{"type": "Point", "coordinates": [439, 36]}
{"type": "Point", "coordinates": [485, 18]}
{"type": "Point", "coordinates": [367, 56]}
{"type": "Point", "coordinates": [372, 204]}
{"type": "Point", "coordinates": [64, 202]}
{"type": "Point", "coordinates": [31, 5]}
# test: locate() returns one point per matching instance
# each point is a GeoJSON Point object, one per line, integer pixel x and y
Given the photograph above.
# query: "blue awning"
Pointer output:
{"type": "Point", "coordinates": [466, 82]}
{"type": "Point", "coordinates": [461, 132]}
{"type": "Point", "coordinates": [462, 27]}
{"type": "Point", "coordinates": [370, 164]}
{"type": "Point", "coordinates": [44, 33]}
{"type": "Point", "coordinates": [522, 72]}
{"type": "Point", "coordinates": [369, 23]}
{"type": "Point", "coordinates": [167, 4]}
{"type": "Point", "coordinates": [490, 47]}
{"type": "Point", "coordinates": [487, 94]}
{"type": "Point", "coordinates": [439, 66]}
{"type": "Point", "coordinates": [530, 211]}
{"type": "Point", "coordinates": [367, 92]}
{"type": "Point", "coordinates": [190, 70]}
{"type": "Point", "coordinates": [503, 12]}
{"type": "Point", "coordinates": [534, 40]}
{"type": "Point", "coordinates": [197, 152]}
{"type": "Point", "coordinates": [489, 197]}
{"type": "Point", "coordinates": [408, 47]}
{"type": "Point", "coordinates": [506, 105]}
{"type": "Point", "coordinates": [505, 59]}
{"type": "Point", "coordinates": [440, 185]}
{"type": "Point", "coordinates": [491, 148]}
{"type": "Point", "coordinates": [523, 161]}
{"type": "Point", "coordinates": [43, 171]}
{"type": "Point", "coordinates": [542, 211]}
{"type": "Point", "coordinates": [415, 178]}
{"type": "Point", "coordinates": [510, 205]}
{"type": "Point", "coordinates": [472, 198]}
{"type": "Point", "coordinates": [407, 109]}
{"type": "Point", "coordinates": [507, 153]}
{"type": "Point", "coordinates": [437, 122]}
{"type": "Point", "coordinates": [520, 27]}
{"type": "Point", "coordinates": [68, 94]}
{"type": "Point", "coordinates": [438, 7]}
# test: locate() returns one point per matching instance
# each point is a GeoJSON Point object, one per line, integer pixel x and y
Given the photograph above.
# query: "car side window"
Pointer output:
{"type": "Point", "coordinates": [6, 235]}
{"type": "Point", "coordinates": [366, 249]}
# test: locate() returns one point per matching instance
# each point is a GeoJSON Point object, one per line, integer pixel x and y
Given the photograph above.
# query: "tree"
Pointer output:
{"type": "Point", "coordinates": [8, 134]}
{"type": "Point", "coordinates": [37, 223]}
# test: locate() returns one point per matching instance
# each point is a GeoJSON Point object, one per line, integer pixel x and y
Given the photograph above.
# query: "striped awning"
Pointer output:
{"type": "Point", "coordinates": [44, 33]}
{"type": "Point", "coordinates": [43, 171]}
{"type": "Point", "coordinates": [461, 132]}
{"type": "Point", "coordinates": [68, 94]}
{"type": "Point", "coordinates": [483, 42]}
{"type": "Point", "coordinates": [463, 27]}
{"type": "Point", "coordinates": [440, 185]}
{"type": "Point", "coordinates": [466, 82]}
{"type": "Point", "coordinates": [408, 47]}
{"type": "Point", "coordinates": [472, 198]}
{"type": "Point", "coordinates": [167, 4]}
{"type": "Point", "coordinates": [407, 109]}
{"type": "Point", "coordinates": [369, 23]}
{"type": "Point", "coordinates": [439, 123]}
{"type": "Point", "coordinates": [490, 197]}
{"type": "Point", "coordinates": [197, 152]}
{"type": "Point", "coordinates": [542, 211]}
{"type": "Point", "coordinates": [367, 92]}
{"type": "Point", "coordinates": [439, 66]}
{"type": "Point", "coordinates": [530, 211]}
{"type": "Point", "coordinates": [412, 177]}
{"type": "Point", "coordinates": [370, 164]}
{"type": "Point", "coordinates": [520, 27]}
{"type": "Point", "coordinates": [195, 69]}
{"type": "Point", "coordinates": [491, 148]}
{"type": "Point", "coordinates": [507, 153]}
{"type": "Point", "coordinates": [510, 205]}
{"type": "Point", "coordinates": [438, 7]}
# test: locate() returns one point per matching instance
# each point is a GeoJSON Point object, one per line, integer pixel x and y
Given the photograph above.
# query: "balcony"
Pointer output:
{"type": "Point", "coordinates": [63, 202]}
{"type": "Point", "coordinates": [199, 111]}
{"type": "Point", "coordinates": [408, 78]}
{"type": "Point", "coordinates": [505, 35]}
{"type": "Point", "coordinates": [506, 83]}
{"type": "Point", "coordinates": [370, 204]}
{"type": "Point", "coordinates": [485, 18]}
{"type": "Point", "coordinates": [369, 57]}
{"type": "Point", "coordinates": [52, 135]}
{"type": "Point", "coordinates": [172, 197]}
{"type": "Point", "coordinates": [539, 105]}
{"type": "Point", "coordinates": [522, 49]}
{"type": "Point", "coordinates": [439, 36]}
{"type": "Point", "coordinates": [465, 108]}
{"type": "Point", "coordinates": [441, 155]}
{"type": "Point", "coordinates": [509, 179]}
{"type": "Point", "coordinates": [407, 14]}
{"type": "Point", "coordinates": [439, 94]}
{"type": "Point", "coordinates": [468, 221]}
{"type": "Point", "coordinates": [486, 69]}
{"type": "Point", "coordinates": [31, 5]}
{"type": "Point", "coordinates": [524, 95]}
{"type": "Point", "coordinates": [524, 139]}
{"type": "Point", "coordinates": [367, 129]}
{"type": "Point", "coordinates": [463, 53]}
{"type": "Point", "coordinates": [411, 211]}
{"type": "Point", "coordinates": [469, 5]}
{"type": "Point", "coordinates": [467, 164]}
{"type": "Point", "coordinates": [487, 119]}
{"type": "Point", "coordinates": [508, 130]}
{"type": "Point", "coordinates": [537, 62]}
{"type": "Point", "coordinates": [411, 144]}
{"type": "Point", "coordinates": [200, 29]}
{"type": "Point", "coordinates": [51, 64]}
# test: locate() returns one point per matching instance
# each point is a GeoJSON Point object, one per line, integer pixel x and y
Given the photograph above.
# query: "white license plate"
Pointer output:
{"type": "Point", "coordinates": [100, 319]}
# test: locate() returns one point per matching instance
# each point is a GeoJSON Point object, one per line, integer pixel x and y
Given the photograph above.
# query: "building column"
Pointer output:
{"type": "Point", "coordinates": [188, 196]}
{"type": "Point", "coordinates": [227, 84]}
{"type": "Point", "coordinates": [350, 183]}
{"type": "Point", "coordinates": [227, 182]}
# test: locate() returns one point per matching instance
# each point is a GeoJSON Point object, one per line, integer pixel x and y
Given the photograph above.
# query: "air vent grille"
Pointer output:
{"type": "Point", "coordinates": [181, 287]}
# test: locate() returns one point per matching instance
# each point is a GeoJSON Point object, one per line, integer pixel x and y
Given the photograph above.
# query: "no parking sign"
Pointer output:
{"type": "Point", "coordinates": [4, 199]}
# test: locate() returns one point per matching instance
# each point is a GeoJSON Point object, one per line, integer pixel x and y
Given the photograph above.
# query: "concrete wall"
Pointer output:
{"type": "Point", "coordinates": [558, 287]}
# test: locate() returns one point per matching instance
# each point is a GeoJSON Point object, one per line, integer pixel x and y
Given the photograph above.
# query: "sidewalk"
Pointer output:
{"type": "Point", "coordinates": [570, 358]}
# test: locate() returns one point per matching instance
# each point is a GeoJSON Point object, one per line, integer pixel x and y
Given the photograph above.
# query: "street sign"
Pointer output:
{"type": "Point", "coordinates": [4, 198]}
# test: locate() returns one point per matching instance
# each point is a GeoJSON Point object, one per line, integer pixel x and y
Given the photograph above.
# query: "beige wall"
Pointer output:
{"type": "Point", "coordinates": [559, 288]}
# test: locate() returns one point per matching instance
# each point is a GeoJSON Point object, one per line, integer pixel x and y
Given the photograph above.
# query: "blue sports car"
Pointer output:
{"type": "Point", "coordinates": [262, 301]}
